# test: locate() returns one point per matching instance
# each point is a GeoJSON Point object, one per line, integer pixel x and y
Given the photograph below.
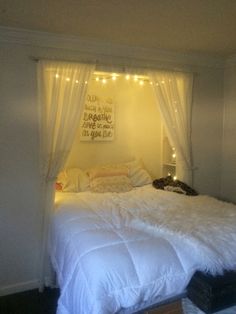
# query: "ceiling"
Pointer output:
{"type": "Point", "coordinates": [183, 26]}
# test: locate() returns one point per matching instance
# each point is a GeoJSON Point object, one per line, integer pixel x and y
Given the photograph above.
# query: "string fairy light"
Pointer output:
{"type": "Point", "coordinates": [104, 77]}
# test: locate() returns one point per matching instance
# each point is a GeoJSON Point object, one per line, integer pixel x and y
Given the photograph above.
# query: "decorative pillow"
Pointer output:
{"type": "Point", "coordinates": [167, 183]}
{"type": "Point", "coordinates": [58, 186]}
{"type": "Point", "coordinates": [117, 183]}
{"type": "Point", "coordinates": [73, 180]}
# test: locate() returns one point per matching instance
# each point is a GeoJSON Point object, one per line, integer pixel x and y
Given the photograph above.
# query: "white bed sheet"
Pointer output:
{"type": "Point", "coordinates": [113, 252]}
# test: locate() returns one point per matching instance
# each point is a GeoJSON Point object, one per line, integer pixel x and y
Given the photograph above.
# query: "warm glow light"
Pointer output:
{"type": "Point", "coordinates": [174, 178]}
{"type": "Point", "coordinates": [104, 78]}
{"type": "Point", "coordinates": [57, 76]}
{"type": "Point", "coordinates": [76, 81]}
{"type": "Point", "coordinates": [67, 79]}
{"type": "Point", "coordinates": [173, 155]}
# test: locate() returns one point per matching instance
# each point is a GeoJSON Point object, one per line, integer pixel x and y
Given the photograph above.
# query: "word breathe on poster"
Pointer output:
{"type": "Point", "coordinates": [97, 122]}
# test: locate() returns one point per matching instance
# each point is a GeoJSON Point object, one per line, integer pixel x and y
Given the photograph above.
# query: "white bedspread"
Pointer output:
{"type": "Point", "coordinates": [114, 251]}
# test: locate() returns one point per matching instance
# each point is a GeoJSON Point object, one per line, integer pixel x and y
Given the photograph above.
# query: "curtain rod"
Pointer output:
{"type": "Point", "coordinates": [122, 68]}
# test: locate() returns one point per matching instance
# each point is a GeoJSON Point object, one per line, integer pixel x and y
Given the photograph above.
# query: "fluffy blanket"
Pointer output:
{"type": "Point", "coordinates": [124, 251]}
{"type": "Point", "coordinates": [204, 223]}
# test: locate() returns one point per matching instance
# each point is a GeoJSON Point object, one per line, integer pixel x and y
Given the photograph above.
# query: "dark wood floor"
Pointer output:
{"type": "Point", "coordinates": [33, 302]}
{"type": "Point", "coordinates": [30, 302]}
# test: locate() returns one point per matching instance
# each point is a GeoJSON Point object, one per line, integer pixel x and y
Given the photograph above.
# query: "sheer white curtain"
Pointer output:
{"type": "Point", "coordinates": [62, 91]}
{"type": "Point", "coordinates": [173, 92]}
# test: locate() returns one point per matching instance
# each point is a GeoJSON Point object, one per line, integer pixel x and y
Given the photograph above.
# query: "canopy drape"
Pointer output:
{"type": "Point", "coordinates": [62, 91]}
{"type": "Point", "coordinates": [173, 91]}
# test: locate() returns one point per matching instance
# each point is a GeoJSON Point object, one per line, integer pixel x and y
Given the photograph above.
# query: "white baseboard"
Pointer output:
{"type": "Point", "coordinates": [19, 287]}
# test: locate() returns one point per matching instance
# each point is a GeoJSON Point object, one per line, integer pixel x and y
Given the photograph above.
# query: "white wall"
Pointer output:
{"type": "Point", "coordinates": [207, 130]}
{"type": "Point", "coordinates": [137, 128]}
{"type": "Point", "coordinates": [228, 184]}
{"type": "Point", "coordinates": [21, 220]}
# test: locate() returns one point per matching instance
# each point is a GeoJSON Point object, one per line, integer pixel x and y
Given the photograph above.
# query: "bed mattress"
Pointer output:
{"type": "Point", "coordinates": [115, 252]}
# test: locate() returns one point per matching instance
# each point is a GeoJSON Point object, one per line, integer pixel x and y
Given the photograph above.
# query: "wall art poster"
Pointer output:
{"type": "Point", "coordinates": [97, 121]}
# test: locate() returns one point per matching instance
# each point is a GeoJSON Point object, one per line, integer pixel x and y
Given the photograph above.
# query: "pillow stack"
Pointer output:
{"type": "Point", "coordinates": [107, 178]}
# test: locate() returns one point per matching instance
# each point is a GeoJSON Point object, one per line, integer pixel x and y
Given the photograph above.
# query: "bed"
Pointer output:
{"type": "Point", "coordinates": [122, 252]}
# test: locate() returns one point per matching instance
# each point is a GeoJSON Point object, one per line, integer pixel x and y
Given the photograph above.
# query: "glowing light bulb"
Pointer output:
{"type": "Point", "coordinates": [174, 178]}
{"type": "Point", "coordinates": [86, 82]}
{"type": "Point", "coordinates": [97, 79]}
{"type": "Point", "coordinates": [104, 81]}
{"type": "Point", "coordinates": [141, 83]}
{"type": "Point", "coordinates": [151, 83]}
{"type": "Point", "coordinates": [76, 81]}
{"type": "Point", "coordinates": [173, 155]}
{"type": "Point", "coordinates": [57, 76]}
{"type": "Point", "coordinates": [127, 77]}
{"type": "Point", "coordinates": [68, 79]}
{"type": "Point", "coordinates": [113, 77]}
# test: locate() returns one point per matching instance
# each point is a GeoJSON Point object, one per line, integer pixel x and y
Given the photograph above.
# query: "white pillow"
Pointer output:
{"type": "Point", "coordinates": [138, 174]}
{"type": "Point", "coordinates": [117, 183]}
{"type": "Point", "coordinates": [73, 180]}
{"type": "Point", "coordinates": [108, 171]}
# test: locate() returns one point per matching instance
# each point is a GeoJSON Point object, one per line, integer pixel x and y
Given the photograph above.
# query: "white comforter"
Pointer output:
{"type": "Point", "coordinates": [122, 251]}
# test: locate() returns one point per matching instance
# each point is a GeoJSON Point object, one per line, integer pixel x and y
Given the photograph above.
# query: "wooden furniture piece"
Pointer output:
{"type": "Point", "coordinates": [172, 308]}
{"type": "Point", "coordinates": [213, 293]}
